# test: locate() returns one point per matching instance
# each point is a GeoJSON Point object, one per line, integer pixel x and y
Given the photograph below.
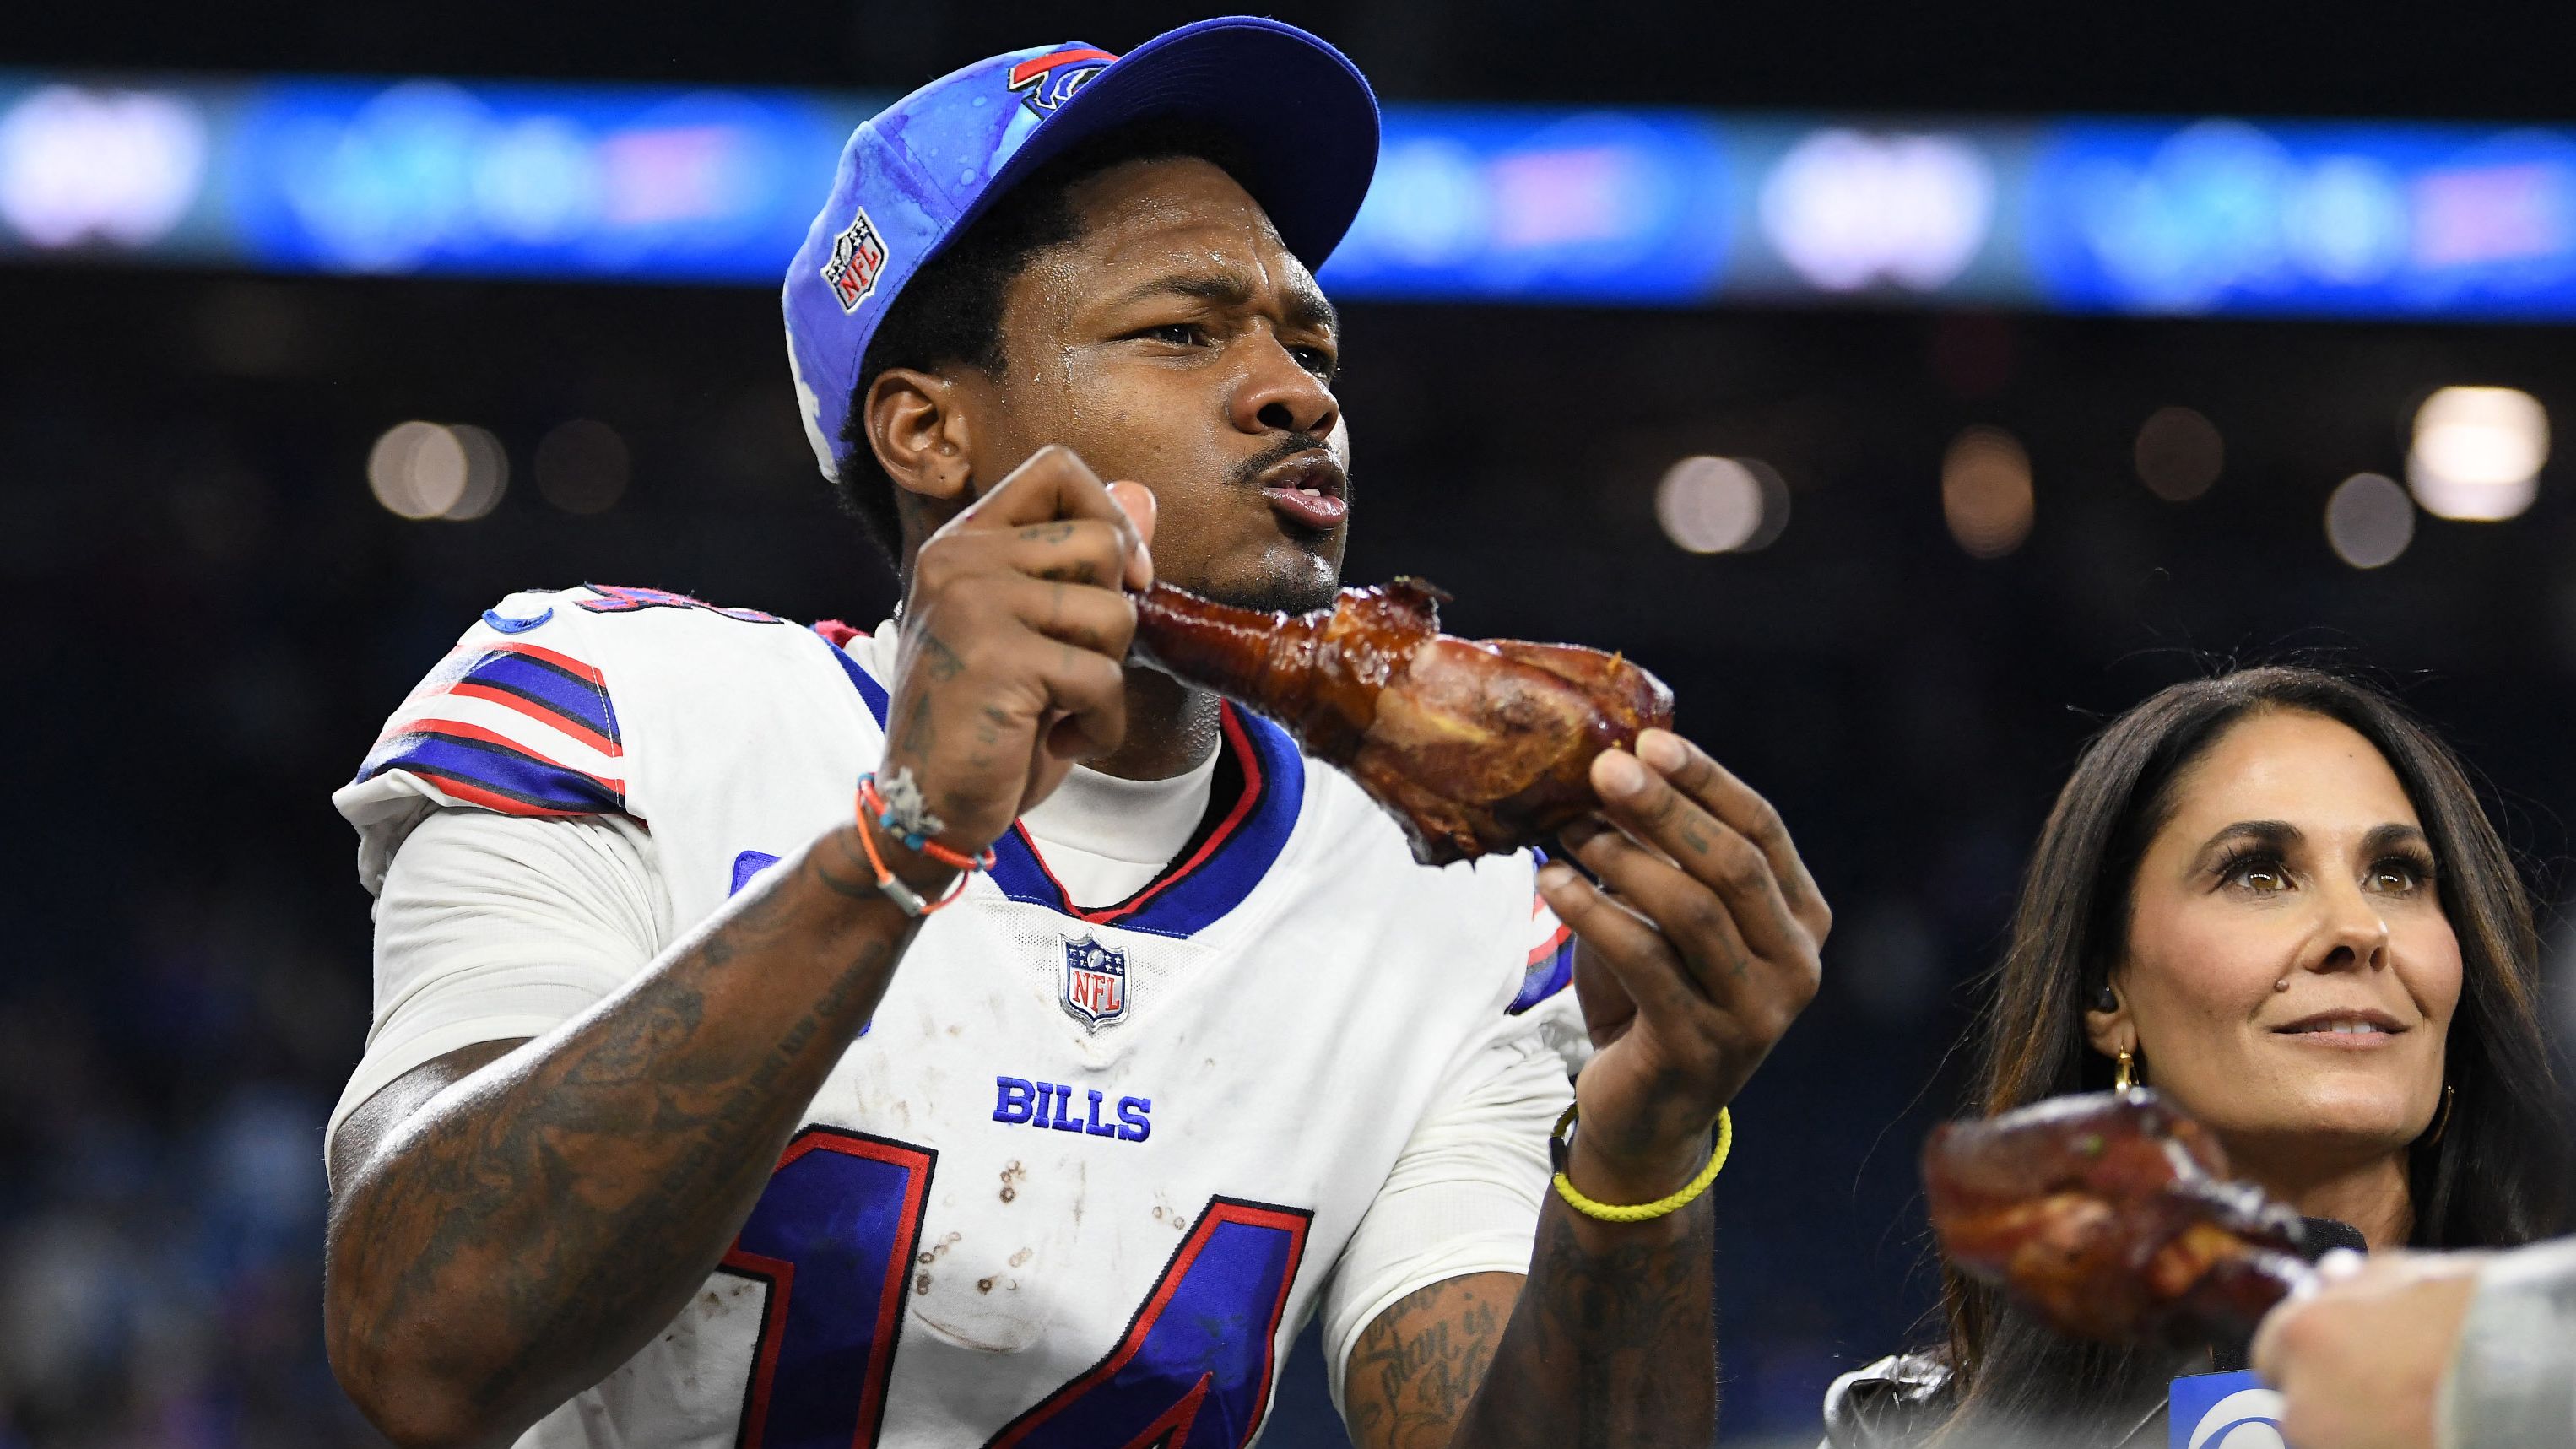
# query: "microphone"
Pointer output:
{"type": "Point", "coordinates": [2323, 1235]}
{"type": "Point", "coordinates": [2317, 1237]}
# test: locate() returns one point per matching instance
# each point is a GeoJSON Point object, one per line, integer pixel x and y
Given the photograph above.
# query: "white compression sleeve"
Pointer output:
{"type": "Point", "coordinates": [1464, 1194]}
{"type": "Point", "coordinates": [492, 927]}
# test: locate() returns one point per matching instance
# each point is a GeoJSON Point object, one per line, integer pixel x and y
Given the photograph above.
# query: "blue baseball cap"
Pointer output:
{"type": "Point", "coordinates": [918, 173]}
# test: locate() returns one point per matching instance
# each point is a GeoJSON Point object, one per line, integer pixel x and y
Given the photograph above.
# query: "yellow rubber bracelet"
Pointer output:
{"type": "Point", "coordinates": [1644, 1211]}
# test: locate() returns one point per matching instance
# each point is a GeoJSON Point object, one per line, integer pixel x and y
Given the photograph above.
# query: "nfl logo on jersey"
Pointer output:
{"type": "Point", "coordinates": [1095, 983]}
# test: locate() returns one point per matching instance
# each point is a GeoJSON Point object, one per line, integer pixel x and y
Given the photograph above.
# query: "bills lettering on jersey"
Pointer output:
{"type": "Point", "coordinates": [1095, 983]}
{"type": "Point", "coordinates": [858, 259]}
{"type": "Point", "coordinates": [1047, 81]}
{"type": "Point", "coordinates": [1019, 1100]}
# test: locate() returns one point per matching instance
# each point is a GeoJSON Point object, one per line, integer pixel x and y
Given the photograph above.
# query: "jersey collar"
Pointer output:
{"type": "Point", "coordinates": [1191, 894]}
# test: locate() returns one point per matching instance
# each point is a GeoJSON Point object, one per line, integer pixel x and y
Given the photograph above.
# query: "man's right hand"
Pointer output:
{"type": "Point", "coordinates": [510, 1225]}
{"type": "Point", "coordinates": [1014, 640]}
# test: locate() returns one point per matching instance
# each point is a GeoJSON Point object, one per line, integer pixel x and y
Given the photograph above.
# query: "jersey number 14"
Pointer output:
{"type": "Point", "coordinates": [834, 1236]}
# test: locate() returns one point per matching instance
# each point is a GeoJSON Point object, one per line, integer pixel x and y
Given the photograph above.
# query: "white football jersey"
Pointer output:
{"type": "Point", "coordinates": [1087, 1171]}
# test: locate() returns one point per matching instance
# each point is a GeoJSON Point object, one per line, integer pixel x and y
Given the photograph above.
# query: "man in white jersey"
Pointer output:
{"type": "Point", "coordinates": [681, 1123]}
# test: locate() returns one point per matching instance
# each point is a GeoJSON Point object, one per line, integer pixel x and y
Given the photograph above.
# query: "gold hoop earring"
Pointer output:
{"type": "Point", "coordinates": [2124, 1073]}
{"type": "Point", "coordinates": [2442, 1123]}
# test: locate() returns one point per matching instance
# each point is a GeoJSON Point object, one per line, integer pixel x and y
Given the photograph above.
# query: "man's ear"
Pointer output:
{"type": "Point", "coordinates": [2111, 1032]}
{"type": "Point", "coordinates": [917, 424]}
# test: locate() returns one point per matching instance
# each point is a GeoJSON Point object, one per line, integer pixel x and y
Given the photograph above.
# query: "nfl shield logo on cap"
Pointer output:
{"type": "Point", "coordinates": [919, 173]}
{"type": "Point", "coordinates": [858, 255]}
{"type": "Point", "coordinates": [1095, 983]}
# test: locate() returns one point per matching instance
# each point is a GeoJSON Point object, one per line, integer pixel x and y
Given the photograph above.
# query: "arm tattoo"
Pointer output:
{"type": "Point", "coordinates": [522, 1233]}
{"type": "Point", "coordinates": [1415, 1368]}
{"type": "Point", "coordinates": [1612, 1345]}
{"type": "Point", "coordinates": [1638, 1323]}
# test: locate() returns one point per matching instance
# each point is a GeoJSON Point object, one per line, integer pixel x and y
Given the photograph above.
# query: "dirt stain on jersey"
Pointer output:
{"type": "Point", "coordinates": [1011, 1179]}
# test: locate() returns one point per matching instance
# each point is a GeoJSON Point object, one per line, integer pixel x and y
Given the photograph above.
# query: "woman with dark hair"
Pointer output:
{"type": "Point", "coordinates": [2275, 896]}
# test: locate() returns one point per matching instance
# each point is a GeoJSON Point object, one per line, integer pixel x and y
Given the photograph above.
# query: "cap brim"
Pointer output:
{"type": "Point", "coordinates": [1304, 116]}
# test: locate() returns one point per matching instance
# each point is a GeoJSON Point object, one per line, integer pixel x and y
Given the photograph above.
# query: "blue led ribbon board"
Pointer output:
{"type": "Point", "coordinates": [1507, 204]}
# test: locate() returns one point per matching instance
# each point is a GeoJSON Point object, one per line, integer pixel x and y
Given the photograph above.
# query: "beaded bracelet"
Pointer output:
{"type": "Point", "coordinates": [902, 813]}
{"type": "Point", "coordinates": [1644, 1211]}
{"type": "Point", "coordinates": [908, 826]}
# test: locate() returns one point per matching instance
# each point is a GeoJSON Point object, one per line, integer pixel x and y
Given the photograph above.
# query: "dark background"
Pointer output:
{"type": "Point", "coordinates": [209, 615]}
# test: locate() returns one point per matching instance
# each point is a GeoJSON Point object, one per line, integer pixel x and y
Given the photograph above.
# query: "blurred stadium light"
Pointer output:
{"type": "Point", "coordinates": [1986, 493]}
{"type": "Point", "coordinates": [2478, 452]}
{"type": "Point", "coordinates": [424, 470]}
{"type": "Point", "coordinates": [116, 165]}
{"type": "Point", "coordinates": [581, 466]}
{"type": "Point", "coordinates": [2179, 454]}
{"type": "Point", "coordinates": [1486, 203]}
{"type": "Point", "coordinates": [2369, 520]}
{"type": "Point", "coordinates": [1476, 204]}
{"type": "Point", "coordinates": [1709, 504]}
{"type": "Point", "coordinates": [1847, 210]}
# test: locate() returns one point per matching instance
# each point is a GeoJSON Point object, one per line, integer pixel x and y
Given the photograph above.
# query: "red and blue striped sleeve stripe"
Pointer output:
{"type": "Point", "coordinates": [553, 688]}
{"type": "Point", "coordinates": [478, 767]}
{"type": "Point", "coordinates": [512, 727]}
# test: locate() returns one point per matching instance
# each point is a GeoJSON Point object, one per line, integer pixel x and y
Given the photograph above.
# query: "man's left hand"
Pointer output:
{"type": "Point", "coordinates": [1698, 949]}
{"type": "Point", "coordinates": [2359, 1361]}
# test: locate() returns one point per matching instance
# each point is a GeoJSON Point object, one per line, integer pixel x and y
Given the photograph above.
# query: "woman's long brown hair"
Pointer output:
{"type": "Point", "coordinates": [2499, 1174]}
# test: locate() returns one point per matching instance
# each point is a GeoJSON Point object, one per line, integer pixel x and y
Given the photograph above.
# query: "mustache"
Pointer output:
{"type": "Point", "coordinates": [1248, 474]}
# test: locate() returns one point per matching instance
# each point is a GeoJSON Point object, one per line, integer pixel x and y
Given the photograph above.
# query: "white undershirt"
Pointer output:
{"type": "Point", "coordinates": [1105, 837]}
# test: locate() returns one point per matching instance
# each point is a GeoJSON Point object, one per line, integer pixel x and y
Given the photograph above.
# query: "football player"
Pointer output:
{"type": "Point", "coordinates": [1038, 1091]}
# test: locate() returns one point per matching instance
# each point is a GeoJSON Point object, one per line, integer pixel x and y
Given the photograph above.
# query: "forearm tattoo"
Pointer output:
{"type": "Point", "coordinates": [516, 1241]}
{"type": "Point", "coordinates": [1611, 1345]}
{"type": "Point", "coordinates": [1636, 1322]}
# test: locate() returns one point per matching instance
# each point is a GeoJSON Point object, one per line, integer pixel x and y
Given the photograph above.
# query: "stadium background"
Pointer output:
{"type": "Point", "coordinates": [211, 610]}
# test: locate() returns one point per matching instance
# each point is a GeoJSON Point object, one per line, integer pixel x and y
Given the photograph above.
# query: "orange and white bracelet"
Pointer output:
{"type": "Point", "coordinates": [906, 820]}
